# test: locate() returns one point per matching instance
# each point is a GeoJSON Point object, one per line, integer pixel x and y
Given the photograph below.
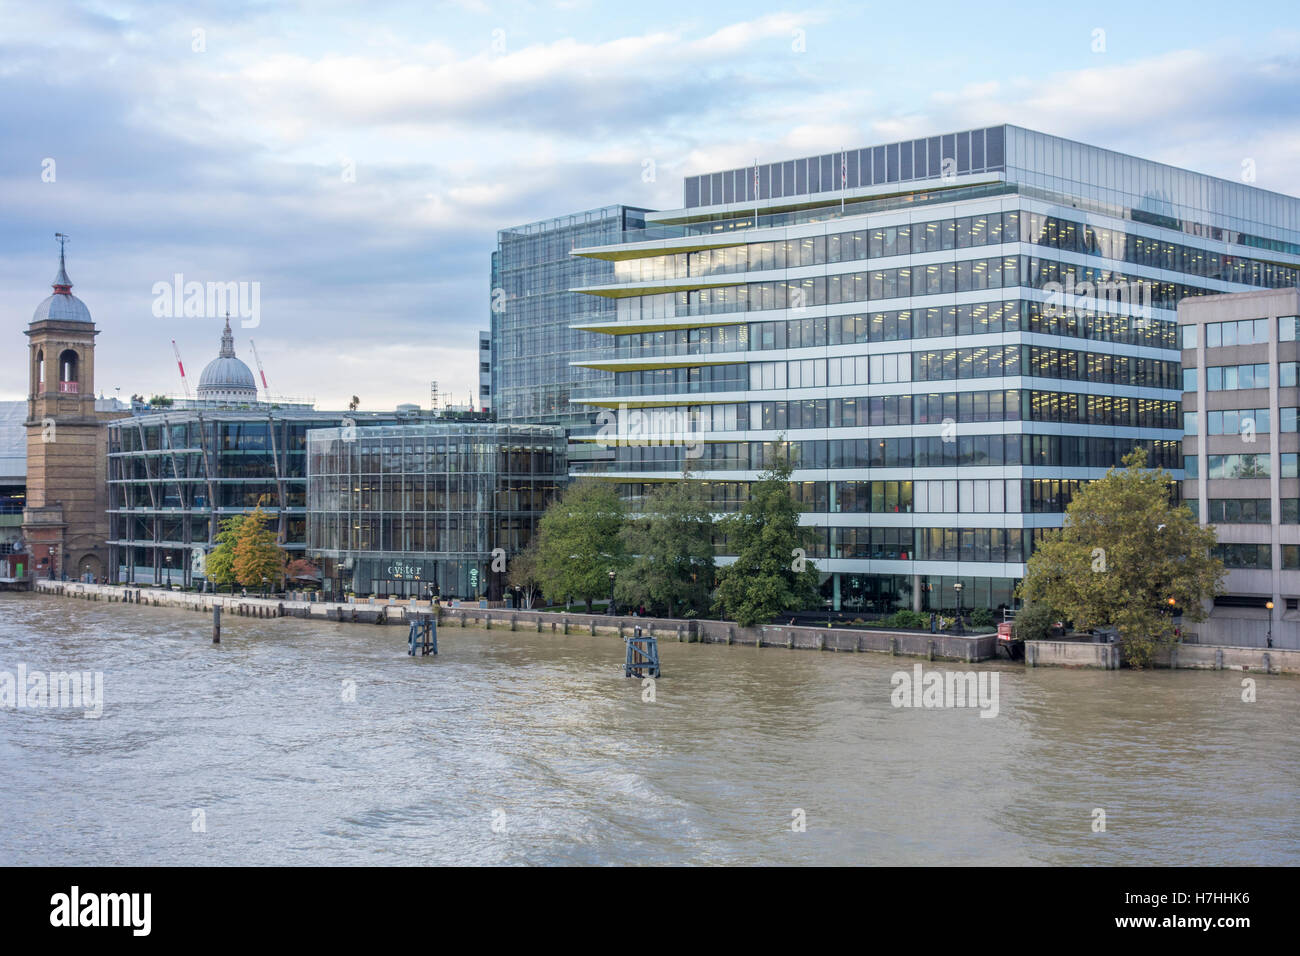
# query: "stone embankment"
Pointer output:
{"type": "Point", "coordinates": [387, 611]}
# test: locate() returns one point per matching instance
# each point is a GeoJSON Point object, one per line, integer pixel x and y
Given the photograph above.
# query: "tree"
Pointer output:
{"type": "Point", "coordinates": [523, 573]}
{"type": "Point", "coordinates": [354, 404]}
{"type": "Point", "coordinates": [257, 555]}
{"type": "Point", "coordinates": [302, 569]}
{"type": "Point", "coordinates": [579, 541]}
{"type": "Point", "coordinates": [1034, 622]}
{"type": "Point", "coordinates": [1125, 551]}
{"type": "Point", "coordinates": [771, 574]}
{"type": "Point", "coordinates": [672, 541]}
{"type": "Point", "coordinates": [220, 564]}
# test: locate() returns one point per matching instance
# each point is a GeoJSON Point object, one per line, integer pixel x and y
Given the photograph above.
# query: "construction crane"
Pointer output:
{"type": "Point", "coordinates": [180, 365]}
{"type": "Point", "coordinates": [260, 370]}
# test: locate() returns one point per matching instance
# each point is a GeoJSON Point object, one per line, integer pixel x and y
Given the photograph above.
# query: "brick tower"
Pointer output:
{"type": "Point", "coordinates": [65, 522]}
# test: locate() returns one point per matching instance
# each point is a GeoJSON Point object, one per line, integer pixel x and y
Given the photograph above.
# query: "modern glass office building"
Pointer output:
{"type": "Point", "coordinates": [175, 473]}
{"type": "Point", "coordinates": [950, 333]}
{"type": "Point", "coordinates": [395, 510]}
{"type": "Point", "coordinates": [534, 314]}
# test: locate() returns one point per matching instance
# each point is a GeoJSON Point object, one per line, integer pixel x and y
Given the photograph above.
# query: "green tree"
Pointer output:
{"type": "Point", "coordinates": [257, 554]}
{"type": "Point", "coordinates": [672, 541]}
{"type": "Point", "coordinates": [771, 575]}
{"type": "Point", "coordinates": [220, 564]}
{"type": "Point", "coordinates": [523, 573]}
{"type": "Point", "coordinates": [1125, 551]}
{"type": "Point", "coordinates": [579, 541]}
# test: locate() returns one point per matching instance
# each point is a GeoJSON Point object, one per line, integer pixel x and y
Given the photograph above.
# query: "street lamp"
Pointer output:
{"type": "Point", "coordinates": [169, 571]}
{"type": "Point", "coordinates": [958, 588]}
{"type": "Point", "coordinates": [611, 592]}
{"type": "Point", "coordinates": [51, 549]}
{"type": "Point", "coordinates": [264, 583]}
{"type": "Point", "coordinates": [1269, 605]}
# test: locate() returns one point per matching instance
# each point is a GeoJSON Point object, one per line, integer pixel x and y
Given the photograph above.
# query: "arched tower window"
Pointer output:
{"type": "Point", "coordinates": [40, 370]}
{"type": "Point", "coordinates": [68, 372]}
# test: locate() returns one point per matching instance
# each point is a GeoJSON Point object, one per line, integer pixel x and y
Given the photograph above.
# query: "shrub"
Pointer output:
{"type": "Point", "coordinates": [981, 617]}
{"type": "Point", "coordinates": [907, 619]}
{"type": "Point", "coordinates": [1034, 622]}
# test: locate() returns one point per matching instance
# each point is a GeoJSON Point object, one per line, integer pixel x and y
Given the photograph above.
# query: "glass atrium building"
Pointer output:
{"type": "Point", "coordinates": [174, 474]}
{"type": "Point", "coordinates": [394, 510]}
{"type": "Point", "coordinates": [950, 333]}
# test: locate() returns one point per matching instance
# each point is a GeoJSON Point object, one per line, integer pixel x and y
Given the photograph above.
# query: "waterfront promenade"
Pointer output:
{"type": "Point", "coordinates": [968, 648]}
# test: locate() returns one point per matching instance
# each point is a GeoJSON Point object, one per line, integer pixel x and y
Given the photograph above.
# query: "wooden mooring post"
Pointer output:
{"type": "Point", "coordinates": [216, 624]}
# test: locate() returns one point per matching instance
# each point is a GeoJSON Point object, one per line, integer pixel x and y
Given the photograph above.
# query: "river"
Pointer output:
{"type": "Point", "coordinates": [295, 742]}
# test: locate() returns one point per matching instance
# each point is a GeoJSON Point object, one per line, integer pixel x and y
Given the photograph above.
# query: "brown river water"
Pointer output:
{"type": "Point", "coordinates": [296, 742]}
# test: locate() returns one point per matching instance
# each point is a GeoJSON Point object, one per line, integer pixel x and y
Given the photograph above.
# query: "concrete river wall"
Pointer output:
{"type": "Point", "coordinates": [951, 647]}
{"type": "Point", "coordinates": [1177, 656]}
{"type": "Point", "coordinates": [909, 643]}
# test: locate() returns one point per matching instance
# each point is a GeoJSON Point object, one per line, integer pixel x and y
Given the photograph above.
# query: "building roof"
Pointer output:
{"type": "Point", "coordinates": [62, 305]}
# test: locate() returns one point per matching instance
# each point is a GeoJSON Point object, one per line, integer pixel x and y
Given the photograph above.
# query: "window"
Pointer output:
{"type": "Point", "coordinates": [1290, 561]}
{"type": "Point", "coordinates": [1239, 511]}
{"type": "Point", "coordinates": [1288, 463]}
{"type": "Point", "coordinates": [1189, 423]}
{"type": "Point", "coordinates": [1237, 421]}
{"type": "Point", "coordinates": [1229, 378]}
{"type": "Point", "coordinates": [1191, 466]}
{"type": "Point", "coordinates": [1189, 380]}
{"type": "Point", "coordinates": [1244, 332]}
{"type": "Point", "coordinates": [1189, 336]}
{"type": "Point", "coordinates": [1286, 328]}
{"type": "Point", "coordinates": [1240, 466]}
{"type": "Point", "coordinates": [1245, 555]}
{"type": "Point", "coordinates": [1286, 374]}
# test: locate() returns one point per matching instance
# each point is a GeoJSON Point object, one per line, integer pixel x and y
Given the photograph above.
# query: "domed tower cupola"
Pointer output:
{"type": "Point", "coordinates": [62, 306]}
{"type": "Point", "coordinates": [226, 378]}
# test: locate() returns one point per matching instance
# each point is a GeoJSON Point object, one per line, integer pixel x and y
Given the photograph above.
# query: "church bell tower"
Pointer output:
{"type": "Point", "coordinates": [65, 522]}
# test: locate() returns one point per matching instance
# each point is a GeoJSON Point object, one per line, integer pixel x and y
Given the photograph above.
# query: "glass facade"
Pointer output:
{"type": "Point", "coordinates": [1139, 189]}
{"type": "Point", "coordinates": [947, 364]}
{"type": "Point", "coordinates": [532, 311]}
{"type": "Point", "coordinates": [396, 510]}
{"type": "Point", "coordinates": [173, 476]}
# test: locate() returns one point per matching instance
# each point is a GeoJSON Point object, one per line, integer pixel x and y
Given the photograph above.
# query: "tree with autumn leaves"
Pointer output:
{"type": "Point", "coordinates": [247, 551]}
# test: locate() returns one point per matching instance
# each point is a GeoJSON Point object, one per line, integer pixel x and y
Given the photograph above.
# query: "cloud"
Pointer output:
{"type": "Point", "coordinates": [228, 164]}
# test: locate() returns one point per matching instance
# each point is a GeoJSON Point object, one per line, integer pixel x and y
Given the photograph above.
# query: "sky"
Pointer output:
{"type": "Point", "coordinates": [355, 161]}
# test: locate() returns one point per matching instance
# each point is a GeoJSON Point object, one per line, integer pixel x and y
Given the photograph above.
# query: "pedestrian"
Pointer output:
{"type": "Point", "coordinates": [933, 623]}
